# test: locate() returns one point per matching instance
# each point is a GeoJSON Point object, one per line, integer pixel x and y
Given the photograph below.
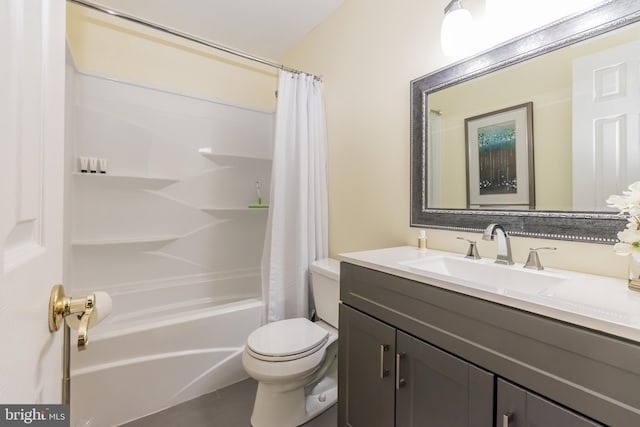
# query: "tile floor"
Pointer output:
{"type": "Point", "coordinates": [228, 407]}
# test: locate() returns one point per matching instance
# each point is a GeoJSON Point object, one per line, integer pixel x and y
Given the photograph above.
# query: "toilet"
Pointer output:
{"type": "Point", "coordinates": [295, 360]}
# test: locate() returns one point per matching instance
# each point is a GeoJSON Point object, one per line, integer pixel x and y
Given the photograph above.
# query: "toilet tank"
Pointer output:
{"type": "Point", "coordinates": [325, 283]}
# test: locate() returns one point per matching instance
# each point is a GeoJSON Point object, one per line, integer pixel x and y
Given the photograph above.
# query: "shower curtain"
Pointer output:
{"type": "Point", "coordinates": [297, 229]}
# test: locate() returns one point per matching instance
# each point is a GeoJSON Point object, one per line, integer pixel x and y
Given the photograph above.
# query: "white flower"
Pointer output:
{"type": "Point", "coordinates": [631, 234]}
{"type": "Point", "coordinates": [629, 201]}
{"type": "Point", "coordinates": [629, 205]}
{"type": "Point", "coordinates": [618, 202]}
{"type": "Point", "coordinates": [635, 187]}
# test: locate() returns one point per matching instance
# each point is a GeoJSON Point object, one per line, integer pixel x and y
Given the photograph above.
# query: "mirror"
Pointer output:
{"type": "Point", "coordinates": [494, 137]}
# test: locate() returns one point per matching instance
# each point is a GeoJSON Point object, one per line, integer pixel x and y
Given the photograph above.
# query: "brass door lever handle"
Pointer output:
{"type": "Point", "coordinates": [80, 313]}
{"type": "Point", "coordinates": [83, 337]}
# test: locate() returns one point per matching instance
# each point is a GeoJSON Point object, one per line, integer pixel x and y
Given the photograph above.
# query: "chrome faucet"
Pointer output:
{"type": "Point", "coordinates": [504, 246]}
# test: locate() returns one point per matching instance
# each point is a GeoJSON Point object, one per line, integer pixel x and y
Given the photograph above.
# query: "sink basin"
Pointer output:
{"type": "Point", "coordinates": [487, 275]}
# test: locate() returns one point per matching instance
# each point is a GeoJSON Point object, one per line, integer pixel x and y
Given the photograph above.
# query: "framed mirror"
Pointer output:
{"type": "Point", "coordinates": [477, 159]}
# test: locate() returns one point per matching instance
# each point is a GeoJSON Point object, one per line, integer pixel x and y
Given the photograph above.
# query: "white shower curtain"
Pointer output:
{"type": "Point", "coordinates": [297, 228]}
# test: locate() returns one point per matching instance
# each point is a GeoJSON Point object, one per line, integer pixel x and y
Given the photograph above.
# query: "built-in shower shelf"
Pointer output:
{"type": "Point", "coordinates": [234, 212]}
{"type": "Point", "coordinates": [229, 159]}
{"type": "Point", "coordinates": [145, 182]}
{"type": "Point", "coordinates": [128, 241]}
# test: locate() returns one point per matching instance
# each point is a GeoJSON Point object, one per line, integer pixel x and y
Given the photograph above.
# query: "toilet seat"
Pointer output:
{"type": "Point", "coordinates": [286, 340]}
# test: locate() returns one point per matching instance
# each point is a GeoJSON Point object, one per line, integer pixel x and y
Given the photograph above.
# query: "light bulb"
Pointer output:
{"type": "Point", "coordinates": [455, 34]}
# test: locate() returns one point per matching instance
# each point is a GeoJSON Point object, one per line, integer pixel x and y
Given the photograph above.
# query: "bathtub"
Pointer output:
{"type": "Point", "coordinates": [162, 345]}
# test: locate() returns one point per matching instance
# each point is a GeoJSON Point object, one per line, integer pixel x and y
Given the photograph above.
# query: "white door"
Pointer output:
{"type": "Point", "coordinates": [606, 110]}
{"type": "Point", "coordinates": [32, 43]}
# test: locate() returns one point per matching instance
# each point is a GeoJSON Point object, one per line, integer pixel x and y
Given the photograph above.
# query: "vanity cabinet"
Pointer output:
{"type": "Point", "coordinates": [434, 388]}
{"type": "Point", "coordinates": [367, 369]}
{"type": "Point", "coordinates": [516, 407]}
{"type": "Point", "coordinates": [389, 378]}
{"type": "Point", "coordinates": [412, 353]}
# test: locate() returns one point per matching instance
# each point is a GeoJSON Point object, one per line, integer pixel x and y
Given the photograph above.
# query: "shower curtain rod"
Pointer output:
{"type": "Point", "coordinates": [187, 36]}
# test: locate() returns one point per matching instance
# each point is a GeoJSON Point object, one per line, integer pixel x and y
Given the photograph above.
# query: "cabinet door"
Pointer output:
{"type": "Point", "coordinates": [366, 371]}
{"type": "Point", "coordinates": [517, 407]}
{"type": "Point", "coordinates": [437, 389]}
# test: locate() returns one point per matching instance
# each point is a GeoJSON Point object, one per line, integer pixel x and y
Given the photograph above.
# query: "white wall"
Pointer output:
{"type": "Point", "coordinates": [367, 53]}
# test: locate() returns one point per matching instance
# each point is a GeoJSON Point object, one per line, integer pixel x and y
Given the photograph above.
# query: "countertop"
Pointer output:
{"type": "Point", "coordinates": [599, 303]}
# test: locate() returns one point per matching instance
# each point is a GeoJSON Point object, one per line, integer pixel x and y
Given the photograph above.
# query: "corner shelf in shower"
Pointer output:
{"type": "Point", "coordinates": [229, 159]}
{"type": "Point", "coordinates": [144, 182]}
{"type": "Point", "coordinates": [131, 241]}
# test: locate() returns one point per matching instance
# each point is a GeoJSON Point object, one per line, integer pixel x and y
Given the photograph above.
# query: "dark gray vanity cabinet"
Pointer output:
{"type": "Point", "coordinates": [366, 358]}
{"type": "Point", "coordinates": [412, 352]}
{"type": "Point", "coordinates": [435, 389]}
{"type": "Point", "coordinates": [389, 378]}
{"type": "Point", "coordinates": [516, 407]}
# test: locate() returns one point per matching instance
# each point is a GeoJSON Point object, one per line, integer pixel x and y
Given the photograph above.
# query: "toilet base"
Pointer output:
{"type": "Point", "coordinates": [275, 407]}
{"type": "Point", "coordinates": [290, 397]}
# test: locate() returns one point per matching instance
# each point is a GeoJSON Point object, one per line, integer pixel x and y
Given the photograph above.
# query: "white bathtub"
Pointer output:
{"type": "Point", "coordinates": [163, 345]}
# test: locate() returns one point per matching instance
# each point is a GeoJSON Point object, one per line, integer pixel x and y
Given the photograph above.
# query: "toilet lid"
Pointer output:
{"type": "Point", "coordinates": [287, 338]}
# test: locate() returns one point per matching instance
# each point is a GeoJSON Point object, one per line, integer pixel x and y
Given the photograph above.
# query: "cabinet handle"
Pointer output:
{"type": "Point", "coordinates": [506, 418]}
{"type": "Point", "coordinates": [400, 382]}
{"type": "Point", "coordinates": [383, 372]}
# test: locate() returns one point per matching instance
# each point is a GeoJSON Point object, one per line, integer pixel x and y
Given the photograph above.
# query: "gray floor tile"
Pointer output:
{"type": "Point", "coordinates": [228, 407]}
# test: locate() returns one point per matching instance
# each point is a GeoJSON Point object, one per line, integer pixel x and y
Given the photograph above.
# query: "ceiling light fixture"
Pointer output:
{"type": "Point", "coordinates": [456, 30]}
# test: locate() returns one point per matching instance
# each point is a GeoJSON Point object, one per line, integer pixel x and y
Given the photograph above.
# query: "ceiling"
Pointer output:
{"type": "Point", "coordinates": [265, 28]}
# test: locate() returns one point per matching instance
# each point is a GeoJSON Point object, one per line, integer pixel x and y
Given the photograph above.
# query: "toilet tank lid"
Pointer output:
{"type": "Point", "coordinates": [328, 267]}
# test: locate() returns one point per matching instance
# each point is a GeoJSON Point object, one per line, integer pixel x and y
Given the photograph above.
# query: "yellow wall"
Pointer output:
{"type": "Point", "coordinates": [367, 53]}
{"type": "Point", "coordinates": [550, 93]}
{"type": "Point", "coordinates": [111, 46]}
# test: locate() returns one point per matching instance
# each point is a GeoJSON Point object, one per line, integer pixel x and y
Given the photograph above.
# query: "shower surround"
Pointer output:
{"type": "Point", "coordinates": [167, 232]}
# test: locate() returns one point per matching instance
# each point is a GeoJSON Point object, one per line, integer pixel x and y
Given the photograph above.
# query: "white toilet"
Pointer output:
{"type": "Point", "coordinates": [295, 360]}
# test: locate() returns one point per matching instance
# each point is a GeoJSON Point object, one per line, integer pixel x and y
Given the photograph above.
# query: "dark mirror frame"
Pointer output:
{"type": "Point", "coordinates": [594, 227]}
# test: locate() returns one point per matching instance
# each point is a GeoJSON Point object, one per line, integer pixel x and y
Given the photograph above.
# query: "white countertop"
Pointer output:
{"type": "Point", "coordinates": [600, 303]}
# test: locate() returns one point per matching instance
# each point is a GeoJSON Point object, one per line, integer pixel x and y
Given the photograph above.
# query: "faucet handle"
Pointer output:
{"type": "Point", "coordinates": [472, 252]}
{"type": "Point", "coordinates": [533, 260]}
